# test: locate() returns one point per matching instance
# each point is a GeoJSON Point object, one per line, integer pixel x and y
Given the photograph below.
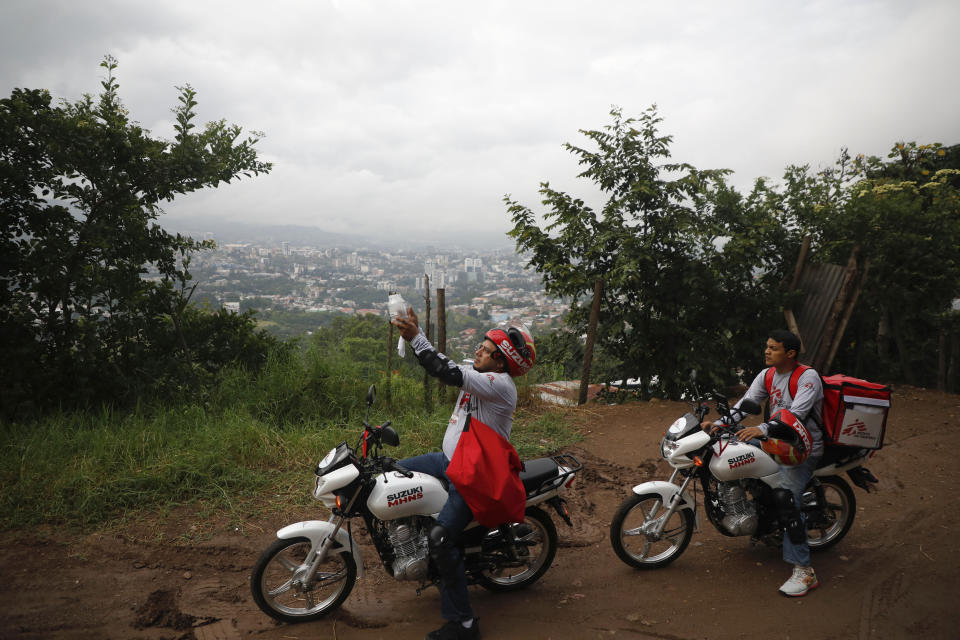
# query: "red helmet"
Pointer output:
{"type": "Point", "coordinates": [788, 441]}
{"type": "Point", "coordinates": [515, 342]}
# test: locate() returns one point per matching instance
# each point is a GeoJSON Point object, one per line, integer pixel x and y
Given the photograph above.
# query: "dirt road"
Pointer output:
{"type": "Point", "coordinates": [185, 576]}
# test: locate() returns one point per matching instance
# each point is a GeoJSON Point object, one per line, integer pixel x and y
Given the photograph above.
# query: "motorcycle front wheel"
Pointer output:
{"type": "Point", "coordinates": [631, 537]}
{"type": "Point", "coordinates": [276, 582]}
{"type": "Point", "coordinates": [829, 519]}
{"type": "Point", "coordinates": [523, 564]}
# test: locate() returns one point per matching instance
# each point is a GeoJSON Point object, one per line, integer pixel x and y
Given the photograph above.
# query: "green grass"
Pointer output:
{"type": "Point", "coordinates": [253, 436]}
{"type": "Point", "coordinates": [538, 432]}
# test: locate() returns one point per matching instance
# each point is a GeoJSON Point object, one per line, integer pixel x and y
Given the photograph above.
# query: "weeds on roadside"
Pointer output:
{"type": "Point", "coordinates": [252, 436]}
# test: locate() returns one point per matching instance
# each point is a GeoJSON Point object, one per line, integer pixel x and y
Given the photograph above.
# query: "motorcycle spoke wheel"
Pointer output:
{"type": "Point", "coordinates": [829, 522]}
{"type": "Point", "coordinates": [533, 556]}
{"type": "Point", "coordinates": [277, 588]}
{"type": "Point", "coordinates": [635, 546]}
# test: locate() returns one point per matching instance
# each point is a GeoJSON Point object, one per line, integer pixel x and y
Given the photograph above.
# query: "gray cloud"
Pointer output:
{"type": "Point", "coordinates": [417, 117]}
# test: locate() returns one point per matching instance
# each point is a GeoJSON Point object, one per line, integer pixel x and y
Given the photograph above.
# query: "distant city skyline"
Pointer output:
{"type": "Point", "coordinates": [304, 281]}
{"type": "Point", "coordinates": [411, 121]}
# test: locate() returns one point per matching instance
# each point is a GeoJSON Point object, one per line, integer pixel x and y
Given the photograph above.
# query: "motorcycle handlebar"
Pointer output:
{"type": "Point", "coordinates": [392, 465]}
{"type": "Point", "coordinates": [730, 433]}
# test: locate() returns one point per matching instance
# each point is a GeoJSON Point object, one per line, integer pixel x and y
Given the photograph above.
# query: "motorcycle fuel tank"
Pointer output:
{"type": "Point", "coordinates": [395, 496]}
{"type": "Point", "coordinates": [733, 460]}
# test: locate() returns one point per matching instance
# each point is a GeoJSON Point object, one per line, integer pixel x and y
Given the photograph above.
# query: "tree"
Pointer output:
{"type": "Point", "coordinates": [905, 214]}
{"type": "Point", "coordinates": [93, 288]}
{"type": "Point", "coordinates": [656, 244]}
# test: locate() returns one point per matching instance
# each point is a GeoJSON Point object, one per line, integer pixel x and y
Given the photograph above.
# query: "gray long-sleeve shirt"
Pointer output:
{"type": "Point", "coordinates": [808, 403]}
{"type": "Point", "coordinates": [490, 397]}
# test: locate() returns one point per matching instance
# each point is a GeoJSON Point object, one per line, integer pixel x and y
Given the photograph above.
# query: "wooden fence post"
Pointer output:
{"type": "Point", "coordinates": [942, 358]}
{"type": "Point", "coordinates": [954, 364]}
{"type": "Point", "coordinates": [390, 347]}
{"type": "Point", "coordinates": [427, 400]}
{"type": "Point", "coordinates": [441, 337]}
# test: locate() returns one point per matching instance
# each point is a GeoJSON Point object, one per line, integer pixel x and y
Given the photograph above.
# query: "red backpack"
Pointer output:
{"type": "Point", "coordinates": [485, 469]}
{"type": "Point", "coordinates": [854, 410]}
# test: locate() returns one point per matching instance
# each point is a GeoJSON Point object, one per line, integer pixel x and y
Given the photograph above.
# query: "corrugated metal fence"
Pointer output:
{"type": "Point", "coordinates": [821, 284]}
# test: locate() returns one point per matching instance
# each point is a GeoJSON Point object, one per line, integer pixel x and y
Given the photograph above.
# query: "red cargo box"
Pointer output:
{"type": "Point", "coordinates": [855, 411]}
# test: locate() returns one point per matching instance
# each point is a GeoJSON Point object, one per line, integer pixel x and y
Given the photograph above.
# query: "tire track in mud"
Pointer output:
{"type": "Point", "coordinates": [162, 609]}
{"type": "Point", "coordinates": [197, 588]}
{"type": "Point", "coordinates": [600, 473]}
{"type": "Point", "coordinates": [874, 599]}
{"type": "Point", "coordinates": [187, 556]}
{"type": "Point", "coordinates": [598, 482]}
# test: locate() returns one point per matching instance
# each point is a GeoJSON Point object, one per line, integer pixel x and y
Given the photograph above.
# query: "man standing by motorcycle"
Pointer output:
{"type": "Point", "coordinates": [797, 389]}
{"type": "Point", "coordinates": [487, 392]}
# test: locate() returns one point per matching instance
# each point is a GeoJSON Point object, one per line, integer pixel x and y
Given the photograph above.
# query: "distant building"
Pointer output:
{"type": "Point", "coordinates": [472, 270]}
{"type": "Point", "coordinates": [435, 271]}
{"type": "Point", "coordinates": [437, 281]}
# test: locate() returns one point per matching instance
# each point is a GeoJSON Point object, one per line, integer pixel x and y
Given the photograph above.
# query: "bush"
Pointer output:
{"type": "Point", "coordinates": [257, 431]}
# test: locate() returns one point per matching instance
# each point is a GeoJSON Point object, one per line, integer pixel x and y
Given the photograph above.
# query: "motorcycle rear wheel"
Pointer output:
{"type": "Point", "coordinates": [636, 548]}
{"type": "Point", "coordinates": [828, 523]}
{"type": "Point", "coordinates": [538, 556]}
{"type": "Point", "coordinates": [275, 593]}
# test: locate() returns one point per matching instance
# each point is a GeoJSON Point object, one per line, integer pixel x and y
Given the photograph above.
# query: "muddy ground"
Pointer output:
{"type": "Point", "coordinates": [185, 576]}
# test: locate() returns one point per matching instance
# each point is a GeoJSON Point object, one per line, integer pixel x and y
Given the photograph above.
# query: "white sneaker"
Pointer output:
{"type": "Point", "coordinates": [803, 580]}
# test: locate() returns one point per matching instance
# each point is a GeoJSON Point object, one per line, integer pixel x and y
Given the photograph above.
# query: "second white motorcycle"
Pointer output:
{"type": "Point", "coordinates": [654, 525]}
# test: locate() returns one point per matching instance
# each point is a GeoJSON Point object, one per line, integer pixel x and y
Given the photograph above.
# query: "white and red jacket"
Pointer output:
{"type": "Point", "coordinates": [807, 403]}
{"type": "Point", "coordinates": [490, 397]}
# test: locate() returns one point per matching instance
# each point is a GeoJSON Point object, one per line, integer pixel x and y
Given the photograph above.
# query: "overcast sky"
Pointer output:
{"type": "Point", "coordinates": [416, 118]}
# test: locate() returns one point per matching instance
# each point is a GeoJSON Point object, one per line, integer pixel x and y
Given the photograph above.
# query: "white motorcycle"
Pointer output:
{"type": "Point", "coordinates": [312, 566]}
{"type": "Point", "coordinates": [654, 525]}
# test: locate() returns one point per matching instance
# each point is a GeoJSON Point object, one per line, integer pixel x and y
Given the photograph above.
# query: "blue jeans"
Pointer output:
{"type": "Point", "coordinates": [795, 480]}
{"type": "Point", "coordinates": [454, 517]}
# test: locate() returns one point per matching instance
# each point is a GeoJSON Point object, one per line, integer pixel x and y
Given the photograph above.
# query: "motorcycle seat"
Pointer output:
{"type": "Point", "coordinates": [536, 472]}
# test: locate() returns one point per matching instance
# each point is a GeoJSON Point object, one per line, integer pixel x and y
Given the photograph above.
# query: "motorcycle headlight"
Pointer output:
{"type": "Point", "coordinates": [327, 459]}
{"type": "Point", "coordinates": [678, 426]}
{"type": "Point", "coordinates": [667, 448]}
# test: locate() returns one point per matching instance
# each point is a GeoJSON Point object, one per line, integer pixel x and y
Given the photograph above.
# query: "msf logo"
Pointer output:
{"type": "Point", "coordinates": [856, 428]}
{"type": "Point", "coordinates": [776, 397]}
{"type": "Point", "coordinates": [406, 495]}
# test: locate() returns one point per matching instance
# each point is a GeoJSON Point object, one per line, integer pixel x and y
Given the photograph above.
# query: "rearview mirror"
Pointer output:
{"type": "Point", "coordinates": [389, 437]}
{"type": "Point", "coordinates": [371, 394]}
